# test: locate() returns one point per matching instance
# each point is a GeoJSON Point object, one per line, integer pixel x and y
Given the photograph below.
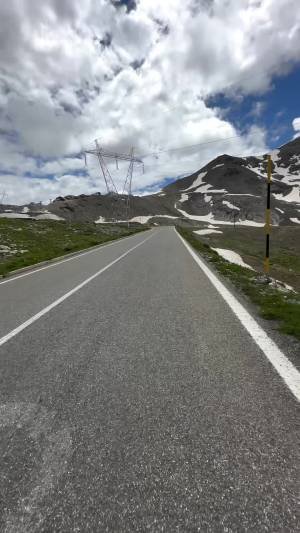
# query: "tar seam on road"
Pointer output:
{"type": "Point", "coordinates": [60, 262]}
{"type": "Point", "coordinates": [34, 318]}
{"type": "Point", "coordinates": [280, 362]}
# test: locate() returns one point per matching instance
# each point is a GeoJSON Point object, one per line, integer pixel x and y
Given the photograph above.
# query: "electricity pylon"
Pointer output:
{"type": "Point", "coordinates": [128, 185]}
{"type": "Point", "coordinates": [111, 188]}
{"type": "Point", "coordinates": [2, 196]}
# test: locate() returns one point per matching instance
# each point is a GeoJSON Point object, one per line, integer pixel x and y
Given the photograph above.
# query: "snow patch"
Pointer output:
{"type": "Point", "coordinates": [207, 231]}
{"type": "Point", "coordinates": [200, 186]}
{"type": "Point", "coordinates": [281, 286]}
{"type": "Point", "coordinates": [295, 220]}
{"type": "Point", "coordinates": [48, 216]}
{"type": "Point", "coordinates": [280, 210]}
{"type": "Point", "coordinates": [284, 172]}
{"type": "Point", "coordinates": [14, 215]}
{"type": "Point", "coordinates": [100, 220]}
{"type": "Point", "coordinates": [210, 218]}
{"type": "Point", "coordinates": [142, 219]}
{"type": "Point", "coordinates": [207, 198]}
{"type": "Point", "coordinates": [44, 215]}
{"type": "Point", "coordinates": [251, 223]}
{"type": "Point", "coordinates": [184, 197]}
{"type": "Point", "coordinates": [258, 171]}
{"type": "Point", "coordinates": [164, 216]}
{"type": "Point", "coordinates": [206, 187]}
{"type": "Point", "coordinates": [275, 156]}
{"type": "Point", "coordinates": [203, 218]}
{"type": "Point", "coordinates": [237, 194]}
{"type": "Point", "coordinates": [231, 206]}
{"type": "Point", "coordinates": [232, 257]}
{"type": "Point", "coordinates": [198, 181]}
{"type": "Point", "coordinates": [293, 196]}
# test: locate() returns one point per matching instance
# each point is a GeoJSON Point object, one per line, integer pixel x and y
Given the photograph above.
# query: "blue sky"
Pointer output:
{"type": "Point", "coordinates": [273, 110]}
{"type": "Point", "coordinates": [130, 4]}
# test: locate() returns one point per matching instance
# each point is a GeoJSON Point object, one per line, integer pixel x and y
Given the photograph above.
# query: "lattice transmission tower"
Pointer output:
{"type": "Point", "coordinates": [111, 188]}
{"type": "Point", "coordinates": [2, 196]}
{"type": "Point", "coordinates": [128, 184]}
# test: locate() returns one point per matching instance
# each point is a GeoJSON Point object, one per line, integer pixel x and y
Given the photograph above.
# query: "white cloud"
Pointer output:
{"type": "Point", "coordinates": [258, 109]}
{"type": "Point", "coordinates": [77, 70]}
{"type": "Point", "coordinates": [296, 126]}
{"type": "Point", "coordinates": [20, 190]}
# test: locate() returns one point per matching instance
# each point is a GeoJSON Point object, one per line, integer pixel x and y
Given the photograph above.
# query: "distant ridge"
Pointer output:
{"type": "Point", "coordinates": [227, 190]}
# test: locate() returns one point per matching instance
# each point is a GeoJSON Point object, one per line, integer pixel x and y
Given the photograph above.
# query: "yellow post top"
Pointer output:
{"type": "Point", "coordinates": [269, 168]}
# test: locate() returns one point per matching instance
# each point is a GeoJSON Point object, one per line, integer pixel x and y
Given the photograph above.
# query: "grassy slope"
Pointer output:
{"type": "Point", "coordinates": [250, 244]}
{"type": "Point", "coordinates": [273, 304]}
{"type": "Point", "coordinates": [47, 239]}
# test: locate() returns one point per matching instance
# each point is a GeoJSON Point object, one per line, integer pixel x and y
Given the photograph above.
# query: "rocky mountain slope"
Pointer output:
{"type": "Point", "coordinates": [234, 189]}
{"type": "Point", "coordinates": [228, 190]}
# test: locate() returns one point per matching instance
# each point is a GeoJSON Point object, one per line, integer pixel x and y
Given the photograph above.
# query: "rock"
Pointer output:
{"type": "Point", "coordinates": [274, 283]}
{"type": "Point", "coordinates": [263, 280]}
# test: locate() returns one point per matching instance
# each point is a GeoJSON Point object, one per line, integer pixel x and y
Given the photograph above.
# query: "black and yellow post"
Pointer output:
{"type": "Point", "coordinates": [268, 218]}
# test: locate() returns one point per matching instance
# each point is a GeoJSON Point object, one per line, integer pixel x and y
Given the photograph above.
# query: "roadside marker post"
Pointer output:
{"type": "Point", "coordinates": [268, 218]}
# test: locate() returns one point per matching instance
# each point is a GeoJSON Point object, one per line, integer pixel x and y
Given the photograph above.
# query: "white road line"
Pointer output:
{"type": "Point", "coordinates": [34, 318]}
{"type": "Point", "coordinates": [280, 362]}
{"type": "Point", "coordinates": [60, 262]}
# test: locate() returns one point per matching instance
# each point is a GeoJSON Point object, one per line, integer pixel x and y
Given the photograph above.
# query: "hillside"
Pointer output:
{"type": "Point", "coordinates": [228, 190]}
{"type": "Point", "coordinates": [231, 188]}
{"type": "Point", "coordinates": [26, 242]}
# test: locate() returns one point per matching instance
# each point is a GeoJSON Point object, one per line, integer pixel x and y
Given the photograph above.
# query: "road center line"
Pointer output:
{"type": "Point", "coordinates": [280, 362]}
{"type": "Point", "coordinates": [41, 313]}
{"type": "Point", "coordinates": [60, 262]}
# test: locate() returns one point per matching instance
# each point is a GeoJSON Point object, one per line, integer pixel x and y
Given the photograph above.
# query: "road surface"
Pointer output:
{"type": "Point", "coordinates": [134, 400]}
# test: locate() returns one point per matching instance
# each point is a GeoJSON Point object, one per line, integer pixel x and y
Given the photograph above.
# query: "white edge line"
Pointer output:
{"type": "Point", "coordinates": [59, 262]}
{"type": "Point", "coordinates": [41, 313]}
{"type": "Point", "coordinates": [284, 367]}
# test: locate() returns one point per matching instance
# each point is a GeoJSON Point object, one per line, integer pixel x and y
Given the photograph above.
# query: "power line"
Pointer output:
{"type": "Point", "coordinates": [190, 146]}
{"type": "Point", "coordinates": [180, 148]}
{"type": "Point", "coordinates": [186, 147]}
{"type": "Point", "coordinates": [147, 167]}
{"type": "Point", "coordinates": [187, 171]}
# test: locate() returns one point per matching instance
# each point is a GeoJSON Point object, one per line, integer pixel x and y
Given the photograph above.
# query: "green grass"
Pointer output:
{"type": "Point", "coordinates": [249, 242]}
{"type": "Point", "coordinates": [41, 240]}
{"type": "Point", "coordinates": [273, 304]}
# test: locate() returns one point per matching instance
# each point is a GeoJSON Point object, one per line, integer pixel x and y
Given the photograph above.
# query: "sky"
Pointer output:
{"type": "Point", "coordinates": [204, 76]}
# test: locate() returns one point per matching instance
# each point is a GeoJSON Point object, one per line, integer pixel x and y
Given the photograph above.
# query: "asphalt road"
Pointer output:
{"type": "Point", "coordinates": [139, 402]}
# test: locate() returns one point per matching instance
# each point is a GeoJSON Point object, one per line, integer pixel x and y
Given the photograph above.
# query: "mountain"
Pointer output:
{"type": "Point", "coordinates": [226, 190]}
{"type": "Point", "coordinates": [231, 188]}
